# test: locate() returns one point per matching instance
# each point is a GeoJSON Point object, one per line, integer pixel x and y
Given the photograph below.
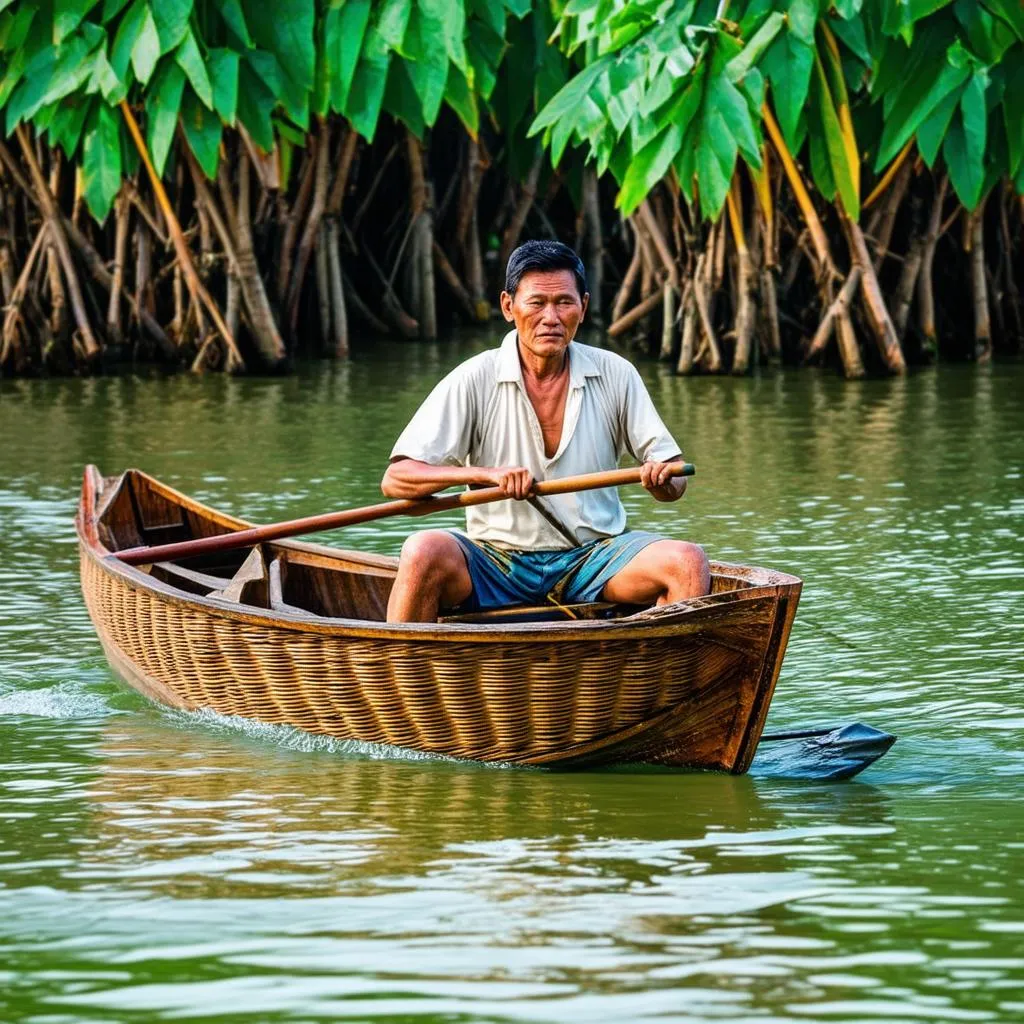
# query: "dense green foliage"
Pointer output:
{"type": "Point", "coordinates": [653, 85]}
{"type": "Point", "coordinates": [804, 111]}
{"type": "Point", "coordinates": [670, 86]}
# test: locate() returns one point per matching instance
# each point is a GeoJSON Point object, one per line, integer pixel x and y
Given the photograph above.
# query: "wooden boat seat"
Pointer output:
{"type": "Point", "coordinates": [250, 585]}
{"type": "Point", "coordinates": [196, 582]}
{"type": "Point", "coordinates": [545, 613]}
{"type": "Point", "coordinates": [276, 574]}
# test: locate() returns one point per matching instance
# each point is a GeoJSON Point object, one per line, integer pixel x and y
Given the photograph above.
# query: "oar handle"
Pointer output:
{"type": "Point", "coordinates": [369, 513]}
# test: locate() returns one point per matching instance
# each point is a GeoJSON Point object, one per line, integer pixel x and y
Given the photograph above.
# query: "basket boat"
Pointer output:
{"type": "Point", "coordinates": [293, 633]}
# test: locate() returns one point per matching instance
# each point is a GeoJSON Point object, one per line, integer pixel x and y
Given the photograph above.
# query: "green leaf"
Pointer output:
{"type": "Point", "coordinates": [223, 68]}
{"type": "Point", "coordinates": [67, 15]}
{"type": "Point", "coordinates": [163, 101]}
{"type": "Point", "coordinates": [485, 52]}
{"type": "Point", "coordinates": [256, 103]}
{"type": "Point", "coordinates": [1013, 116]}
{"type": "Point", "coordinates": [735, 113]}
{"type": "Point", "coordinates": [285, 28]}
{"type": "Point", "coordinates": [964, 149]}
{"type": "Point", "coordinates": [853, 35]}
{"type": "Point", "coordinates": [68, 121]}
{"type": "Point", "coordinates": [101, 161]}
{"type": "Point", "coordinates": [429, 72]}
{"type": "Point", "coordinates": [648, 167]}
{"type": "Point", "coordinates": [367, 92]}
{"type": "Point", "coordinates": [171, 18]}
{"type": "Point", "coordinates": [127, 34]}
{"type": "Point", "coordinates": [454, 17]}
{"type": "Point", "coordinates": [716, 161]}
{"type": "Point", "coordinates": [392, 22]}
{"type": "Point", "coordinates": [567, 100]}
{"type": "Point", "coordinates": [934, 126]}
{"type": "Point", "coordinates": [344, 33]}
{"type": "Point", "coordinates": [460, 98]}
{"type": "Point", "coordinates": [191, 62]}
{"type": "Point", "coordinates": [203, 130]}
{"type": "Point", "coordinates": [916, 102]}
{"type": "Point", "coordinates": [1010, 13]}
{"type": "Point", "coordinates": [111, 8]}
{"type": "Point", "coordinates": [231, 12]}
{"type": "Point", "coordinates": [803, 19]}
{"type": "Point", "coordinates": [787, 65]}
{"type": "Point", "coordinates": [832, 135]}
{"type": "Point", "coordinates": [759, 42]}
{"type": "Point", "coordinates": [105, 81]}
{"type": "Point", "coordinates": [146, 51]}
{"type": "Point", "coordinates": [400, 99]}
{"type": "Point", "coordinates": [964, 175]}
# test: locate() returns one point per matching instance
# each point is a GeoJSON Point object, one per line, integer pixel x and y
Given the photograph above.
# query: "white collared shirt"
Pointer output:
{"type": "Point", "coordinates": [480, 415]}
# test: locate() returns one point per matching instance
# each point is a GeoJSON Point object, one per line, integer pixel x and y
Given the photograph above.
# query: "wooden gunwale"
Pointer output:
{"type": "Point", "coordinates": [669, 620]}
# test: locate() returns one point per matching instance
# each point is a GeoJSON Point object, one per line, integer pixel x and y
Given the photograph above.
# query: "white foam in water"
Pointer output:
{"type": "Point", "coordinates": [64, 700]}
{"type": "Point", "coordinates": [295, 739]}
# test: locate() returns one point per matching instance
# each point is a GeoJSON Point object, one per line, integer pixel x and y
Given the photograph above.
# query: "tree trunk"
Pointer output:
{"type": "Point", "coordinates": [528, 193]}
{"type": "Point", "coordinates": [925, 290]}
{"type": "Point", "coordinates": [122, 210]}
{"type": "Point", "coordinates": [428, 311]}
{"type": "Point", "coordinates": [690, 329]}
{"type": "Point", "coordinates": [261, 318]}
{"type": "Point", "coordinates": [904, 297]}
{"type": "Point", "coordinates": [338, 309]}
{"type": "Point", "coordinates": [294, 217]}
{"type": "Point", "coordinates": [874, 304]}
{"type": "Point", "coordinates": [745, 313]}
{"type": "Point", "coordinates": [468, 232]}
{"type": "Point", "coordinates": [323, 287]}
{"type": "Point", "coordinates": [90, 347]}
{"type": "Point", "coordinates": [309, 233]}
{"type": "Point", "coordinates": [625, 292]}
{"type": "Point", "coordinates": [979, 286]}
{"type": "Point", "coordinates": [668, 322]}
{"type": "Point", "coordinates": [883, 220]}
{"type": "Point", "coordinates": [595, 244]}
{"type": "Point", "coordinates": [421, 256]}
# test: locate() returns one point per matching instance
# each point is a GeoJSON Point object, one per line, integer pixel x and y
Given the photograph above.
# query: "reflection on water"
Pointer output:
{"type": "Point", "coordinates": [156, 865]}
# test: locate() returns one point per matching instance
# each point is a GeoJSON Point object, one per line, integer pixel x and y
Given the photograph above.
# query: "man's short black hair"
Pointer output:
{"type": "Point", "coordinates": [543, 255]}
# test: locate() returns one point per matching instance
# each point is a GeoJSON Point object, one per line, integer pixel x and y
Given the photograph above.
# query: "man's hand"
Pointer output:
{"type": "Point", "coordinates": [515, 481]}
{"type": "Point", "coordinates": [656, 478]}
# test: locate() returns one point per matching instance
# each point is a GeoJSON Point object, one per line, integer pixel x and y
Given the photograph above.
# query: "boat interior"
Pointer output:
{"type": "Point", "coordinates": [294, 578]}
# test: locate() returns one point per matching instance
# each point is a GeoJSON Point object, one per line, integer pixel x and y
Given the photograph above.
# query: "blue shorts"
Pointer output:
{"type": "Point", "coordinates": [504, 577]}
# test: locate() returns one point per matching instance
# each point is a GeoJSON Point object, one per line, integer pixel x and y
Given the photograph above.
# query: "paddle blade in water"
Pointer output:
{"type": "Point", "coordinates": [837, 753]}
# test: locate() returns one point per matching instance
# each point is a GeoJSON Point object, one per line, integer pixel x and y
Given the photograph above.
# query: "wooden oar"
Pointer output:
{"type": "Point", "coordinates": [369, 513]}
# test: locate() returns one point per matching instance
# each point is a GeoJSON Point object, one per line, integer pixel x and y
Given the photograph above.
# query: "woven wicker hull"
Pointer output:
{"type": "Point", "coordinates": [685, 684]}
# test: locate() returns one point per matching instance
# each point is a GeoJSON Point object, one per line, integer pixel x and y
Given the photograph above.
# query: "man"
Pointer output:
{"type": "Point", "coordinates": [539, 407]}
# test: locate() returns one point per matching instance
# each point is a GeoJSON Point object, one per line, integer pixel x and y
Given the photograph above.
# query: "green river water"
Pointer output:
{"type": "Point", "coordinates": [156, 865]}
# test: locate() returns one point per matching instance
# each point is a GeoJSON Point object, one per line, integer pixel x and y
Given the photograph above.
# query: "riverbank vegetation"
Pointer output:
{"type": "Point", "coordinates": [224, 184]}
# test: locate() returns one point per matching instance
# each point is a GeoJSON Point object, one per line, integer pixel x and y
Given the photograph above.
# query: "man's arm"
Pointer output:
{"type": "Point", "coordinates": [409, 478]}
{"type": "Point", "coordinates": [655, 478]}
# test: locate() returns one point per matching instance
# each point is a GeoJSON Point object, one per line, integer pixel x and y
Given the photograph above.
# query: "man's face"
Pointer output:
{"type": "Point", "coordinates": [546, 310]}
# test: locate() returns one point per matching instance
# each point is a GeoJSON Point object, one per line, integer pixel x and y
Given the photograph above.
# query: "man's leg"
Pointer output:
{"type": "Point", "coordinates": [665, 571]}
{"type": "Point", "coordinates": [431, 573]}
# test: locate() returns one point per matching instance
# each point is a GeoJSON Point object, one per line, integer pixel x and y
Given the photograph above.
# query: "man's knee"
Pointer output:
{"type": "Point", "coordinates": [428, 550]}
{"type": "Point", "coordinates": [686, 565]}
{"type": "Point", "coordinates": [431, 554]}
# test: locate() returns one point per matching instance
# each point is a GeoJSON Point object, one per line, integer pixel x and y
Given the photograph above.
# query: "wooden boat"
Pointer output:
{"type": "Point", "coordinates": [294, 633]}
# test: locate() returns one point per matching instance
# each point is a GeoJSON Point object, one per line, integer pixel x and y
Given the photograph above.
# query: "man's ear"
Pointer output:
{"type": "Point", "coordinates": [586, 302]}
{"type": "Point", "coordinates": [506, 306]}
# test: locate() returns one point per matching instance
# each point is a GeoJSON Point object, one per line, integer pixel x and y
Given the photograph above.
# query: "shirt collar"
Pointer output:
{"type": "Point", "coordinates": [581, 363]}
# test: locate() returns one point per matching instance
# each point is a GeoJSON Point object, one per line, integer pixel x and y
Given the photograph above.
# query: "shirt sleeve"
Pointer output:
{"type": "Point", "coordinates": [441, 430]}
{"type": "Point", "coordinates": [645, 435]}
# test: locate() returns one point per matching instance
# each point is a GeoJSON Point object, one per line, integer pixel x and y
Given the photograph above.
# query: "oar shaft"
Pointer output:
{"type": "Point", "coordinates": [369, 513]}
